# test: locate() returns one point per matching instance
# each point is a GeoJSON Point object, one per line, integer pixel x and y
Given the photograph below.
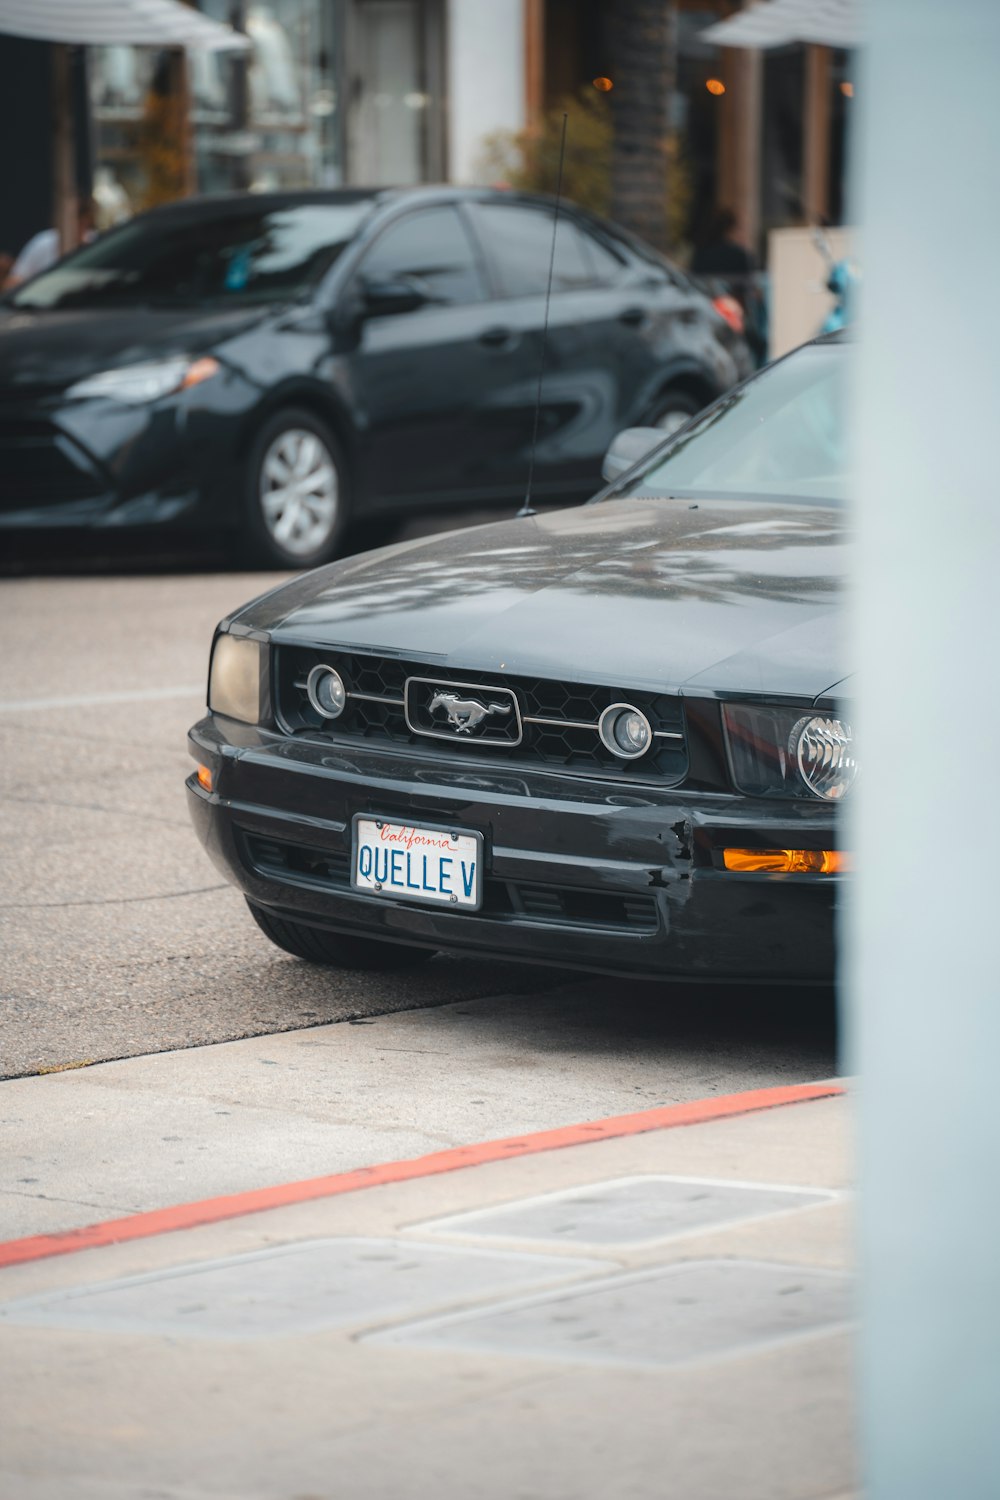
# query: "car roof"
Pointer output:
{"type": "Point", "coordinates": [210, 203]}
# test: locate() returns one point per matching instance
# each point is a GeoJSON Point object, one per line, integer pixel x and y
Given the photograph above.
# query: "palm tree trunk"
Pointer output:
{"type": "Point", "coordinates": [639, 35]}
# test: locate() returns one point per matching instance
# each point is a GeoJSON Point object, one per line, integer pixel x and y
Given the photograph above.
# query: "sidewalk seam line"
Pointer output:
{"type": "Point", "coordinates": [157, 1221]}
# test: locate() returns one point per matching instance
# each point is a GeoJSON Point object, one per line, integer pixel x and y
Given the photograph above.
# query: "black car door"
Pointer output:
{"type": "Point", "coordinates": [599, 358]}
{"type": "Point", "coordinates": [423, 382]}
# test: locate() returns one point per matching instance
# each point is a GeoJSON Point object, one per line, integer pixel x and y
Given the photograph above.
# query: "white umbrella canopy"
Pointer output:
{"type": "Point", "coordinates": [776, 23]}
{"type": "Point", "coordinates": [110, 23]}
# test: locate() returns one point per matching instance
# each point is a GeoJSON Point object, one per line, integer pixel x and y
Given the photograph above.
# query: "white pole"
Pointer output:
{"type": "Point", "coordinates": [924, 931]}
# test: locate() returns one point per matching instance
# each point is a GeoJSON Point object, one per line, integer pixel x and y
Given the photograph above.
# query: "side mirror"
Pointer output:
{"type": "Point", "coordinates": [380, 299]}
{"type": "Point", "coordinates": [628, 448]}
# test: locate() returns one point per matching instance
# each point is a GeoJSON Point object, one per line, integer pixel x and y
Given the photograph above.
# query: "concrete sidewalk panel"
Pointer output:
{"type": "Point", "coordinates": [291, 1289]}
{"type": "Point", "coordinates": [627, 1211]}
{"type": "Point", "coordinates": [674, 1315]}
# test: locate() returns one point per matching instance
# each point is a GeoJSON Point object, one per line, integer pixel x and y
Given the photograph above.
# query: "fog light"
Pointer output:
{"type": "Point", "coordinates": [788, 861]}
{"type": "Point", "coordinates": [625, 731]}
{"type": "Point", "coordinates": [205, 778]}
{"type": "Point", "coordinates": [327, 692]}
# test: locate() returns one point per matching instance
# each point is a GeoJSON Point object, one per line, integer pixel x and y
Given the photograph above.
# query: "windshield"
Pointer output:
{"type": "Point", "coordinates": [783, 436]}
{"type": "Point", "coordinates": [239, 254]}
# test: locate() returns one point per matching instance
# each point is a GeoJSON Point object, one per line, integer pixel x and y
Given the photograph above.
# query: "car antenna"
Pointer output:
{"type": "Point", "coordinates": [527, 509]}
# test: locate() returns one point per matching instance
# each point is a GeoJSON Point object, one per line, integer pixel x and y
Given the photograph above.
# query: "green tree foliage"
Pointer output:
{"type": "Point", "coordinates": [528, 160]}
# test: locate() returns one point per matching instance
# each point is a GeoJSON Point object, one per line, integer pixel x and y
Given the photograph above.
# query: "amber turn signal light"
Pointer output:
{"type": "Point", "coordinates": [201, 369]}
{"type": "Point", "coordinates": [788, 861]}
{"type": "Point", "coordinates": [205, 779]}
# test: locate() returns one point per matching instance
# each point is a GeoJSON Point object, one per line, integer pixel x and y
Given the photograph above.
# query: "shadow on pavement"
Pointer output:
{"type": "Point", "coordinates": [719, 1026]}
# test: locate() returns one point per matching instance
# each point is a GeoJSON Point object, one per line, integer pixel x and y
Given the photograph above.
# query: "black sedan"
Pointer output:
{"type": "Point", "coordinates": [609, 736]}
{"type": "Point", "coordinates": [277, 366]}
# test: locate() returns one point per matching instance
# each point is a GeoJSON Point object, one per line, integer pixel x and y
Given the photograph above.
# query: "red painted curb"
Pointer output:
{"type": "Point", "coordinates": [236, 1205]}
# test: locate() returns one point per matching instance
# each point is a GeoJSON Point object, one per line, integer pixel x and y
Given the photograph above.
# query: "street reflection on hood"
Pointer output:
{"type": "Point", "coordinates": [634, 549]}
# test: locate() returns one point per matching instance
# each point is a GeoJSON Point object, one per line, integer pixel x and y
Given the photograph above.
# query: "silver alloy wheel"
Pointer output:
{"type": "Point", "coordinates": [672, 421]}
{"type": "Point", "coordinates": [299, 491]}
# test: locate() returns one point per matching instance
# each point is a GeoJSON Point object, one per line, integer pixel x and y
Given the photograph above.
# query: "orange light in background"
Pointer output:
{"type": "Point", "coordinates": [715, 86]}
{"type": "Point", "coordinates": [788, 861]}
{"type": "Point", "coordinates": [205, 778]}
{"type": "Point", "coordinates": [603, 85]}
{"type": "Point", "coordinates": [847, 89]}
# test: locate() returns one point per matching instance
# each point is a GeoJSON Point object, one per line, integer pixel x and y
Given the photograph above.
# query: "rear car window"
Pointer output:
{"type": "Point", "coordinates": [432, 249]}
{"type": "Point", "coordinates": [519, 238]}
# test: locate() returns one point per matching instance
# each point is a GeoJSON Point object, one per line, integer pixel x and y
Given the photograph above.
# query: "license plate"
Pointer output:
{"type": "Point", "coordinates": [442, 866]}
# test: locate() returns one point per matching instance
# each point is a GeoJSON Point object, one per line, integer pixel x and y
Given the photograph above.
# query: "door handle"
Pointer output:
{"type": "Point", "coordinates": [632, 317]}
{"type": "Point", "coordinates": [497, 338]}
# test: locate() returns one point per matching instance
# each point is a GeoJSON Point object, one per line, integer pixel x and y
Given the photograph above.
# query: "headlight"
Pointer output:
{"type": "Point", "coordinates": [138, 384]}
{"type": "Point", "coordinates": [824, 754]}
{"type": "Point", "coordinates": [236, 677]}
{"type": "Point", "coordinates": [781, 752]}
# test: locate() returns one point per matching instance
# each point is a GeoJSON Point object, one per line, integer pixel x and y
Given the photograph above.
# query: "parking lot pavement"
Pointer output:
{"type": "Point", "coordinates": [118, 935]}
{"type": "Point", "coordinates": [663, 1314]}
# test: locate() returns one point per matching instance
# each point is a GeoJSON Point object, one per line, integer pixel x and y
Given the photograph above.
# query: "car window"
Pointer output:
{"type": "Point", "coordinates": [783, 434]}
{"type": "Point", "coordinates": [520, 241]}
{"type": "Point", "coordinates": [607, 265]}
{"type": "Point", "coordinates": [433, 249]}
{"type": "Point", "coordinates": [243, 252]}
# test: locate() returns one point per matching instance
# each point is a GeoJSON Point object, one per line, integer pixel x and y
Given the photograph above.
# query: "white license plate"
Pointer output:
{"type": "Point", "coordinates": [438, 865]}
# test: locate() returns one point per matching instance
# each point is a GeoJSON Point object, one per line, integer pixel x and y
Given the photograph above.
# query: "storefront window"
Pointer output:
{"type": "Point", "coordinates": [259, 120]}
{"type": "Point", "coordinates": [268, 119]}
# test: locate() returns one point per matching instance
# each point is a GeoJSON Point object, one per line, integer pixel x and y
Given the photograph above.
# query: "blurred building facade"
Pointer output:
{"type": "Point", "coordinates": [405, 91]}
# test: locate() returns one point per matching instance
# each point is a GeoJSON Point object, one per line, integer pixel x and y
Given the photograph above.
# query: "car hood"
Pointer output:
{"type": "Point", "coordinates": [715, 598]}
{"type": "Point", "coordinates": [46, 351]}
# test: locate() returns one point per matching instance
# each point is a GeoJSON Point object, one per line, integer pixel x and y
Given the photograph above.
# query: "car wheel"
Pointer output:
{"type": "Point", "coordinates": [335, 949]}
{"type": "Point", "coordinates": [296, 500]}
{"type": "Point", "coordinates": [673, 410]}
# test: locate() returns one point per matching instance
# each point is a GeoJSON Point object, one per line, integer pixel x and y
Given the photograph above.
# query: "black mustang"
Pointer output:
{"type": "Point", "coordinates": [609, 737]}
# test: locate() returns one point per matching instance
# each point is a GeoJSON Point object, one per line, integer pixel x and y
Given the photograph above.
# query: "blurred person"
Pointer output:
{"type": "Point", "coordinates": [720, 253]}
{"type": "Point", "coordinates": [44, 249]}
{"type": "Point", "coordinates": [720, 256]}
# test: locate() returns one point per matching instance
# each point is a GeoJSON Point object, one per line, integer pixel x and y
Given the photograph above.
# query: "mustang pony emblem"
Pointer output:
{"type": "Point", "coordinates": [465, 714]}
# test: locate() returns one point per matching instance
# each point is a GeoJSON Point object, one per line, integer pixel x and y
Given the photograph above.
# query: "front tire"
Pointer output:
{"type": "Point", "coordinates": [295, 504]}
{"type": "Point", "coordinates": [336, 950]}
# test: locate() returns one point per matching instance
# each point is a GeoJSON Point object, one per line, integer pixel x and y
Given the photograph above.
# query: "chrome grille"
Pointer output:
{"type": "Point", "coordinates": [559, 718]}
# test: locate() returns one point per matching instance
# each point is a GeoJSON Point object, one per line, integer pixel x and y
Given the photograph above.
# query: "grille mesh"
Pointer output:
{"type": "Point", "coordinates": [555, 743]}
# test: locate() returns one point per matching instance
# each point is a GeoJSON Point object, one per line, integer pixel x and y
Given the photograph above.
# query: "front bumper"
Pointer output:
{"type": "Point", "coordinates": [578, 872]}
{"type": "Point", "coordinates": [99, 465]}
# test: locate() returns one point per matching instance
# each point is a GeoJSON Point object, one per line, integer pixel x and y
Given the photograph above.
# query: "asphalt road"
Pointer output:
{"type": "Point", "coordinates": [119, 939]}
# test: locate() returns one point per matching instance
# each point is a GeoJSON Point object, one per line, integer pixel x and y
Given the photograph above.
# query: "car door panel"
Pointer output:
{"type": "Point", "coordinates": [424, 383]}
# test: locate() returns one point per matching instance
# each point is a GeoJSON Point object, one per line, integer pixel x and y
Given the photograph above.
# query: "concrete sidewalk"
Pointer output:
{"type": "Point", "coordinates": [145, 1132]}
{"type": "Point", "coordinates": [658, 1314]}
